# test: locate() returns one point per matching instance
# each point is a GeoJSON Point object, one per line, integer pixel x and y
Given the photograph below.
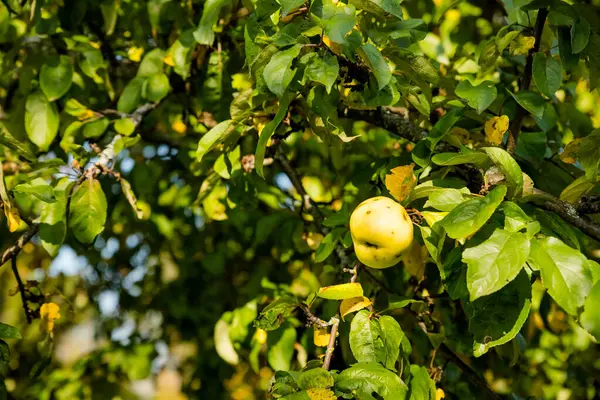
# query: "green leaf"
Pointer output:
{"type": "Point", "coordinates": [37, 187]}
{"type": "Point", "coordinates": [341, 291]}
{"type": "Point", "coordinates": [41, 120]}
{"type": "Point", "coordinates": [579, 187]}
{"type": "Point", "coordinates": [124, 142]}
{"type": "Point", "coordinates": [125, 126]}
{"type": "Point", "coordinates": [479, 97]}
{"type": "Point", "coordinates": [531, 101]}
{"type": "Point", "coordinates": [442, 127]}
{"type": "Point", "coordinates": [498, 318]}
{"type": "Point", "coordinates": [268, 131]}
{"type": "Point", "coordinates": [87, 211]}
{"type": "Point", "coordinates": [589, 154]}
{"type": "Point", "coordinates": [56, 77]}
{"type": "Point", "coordinates": [495, 262]}
{"type": "Point", "coordinates": [323, 70]}
{"type": "Point", "coordinates": [9, 332]}
{"type": "Point", "coordinates": [445, 199]}
{"type": "Point", "coordinates": [531, 144]}
{"type": "Point", "coordinates": [110, 13]}
{"type": "Point", "coordinates": [4, 353]}
{"type": "Point", "coordinates": [131, 96]}
{"type": "Point", "coordinates": [278, 73]}
{"type": "Point", "coordinates": [179, 55]}
{"type": "Point", "coordinates": [378, 65]}
{"type": "Point", "coordinates": [375, 340]}
{"type": "Point", "coordinates": [392, 336]}
{"type": "Point", "coordinates": [362, 379]}
{"type": "Point", "coordinates": [336, 19]}
{"type": "Point", "coordinates": [157, 87]}
{"type": "Point", "coordinates": [315, 378]}
{"type": "Point", "coordinates": [547, 73]}
{"type": "Point", "coordinates": [217, 134]}
{"type": "Point", "coordinates": [204, 34]}
{"type": "Point", "coordinates": [565, 272]}
{"type": "Point", "coordinates": [470, 216]}
{"type": "Point", "coordinates": [580, 35]}
{"type": "Point", "coordinates": [509, 167]}
{"type": "Point", "coordinates": [423, 67]}
{"type": "Point", "coordinates": [366, 338]}
{"type": "Point", "coordinates": [152, 63]}
{"type": "Point", "coordinates": [53, 220]}
{"type": "Point", "coordinates": [22, 149]}
{"type": "Point", "coordinates": [281, 348]}
{"type": "Point", "coordinates": [287, 6]}
{"type": "Point", "coordinates": [515, 218]}
{"type": "Point", "coordinates": [591, 309]}
{"type": "Point", "coordinates": [446, 159]}
{"type": "Point", "coordinates": [422, 387]}
{"type": "Point", "coordinates": [223, 344]}
{"type": "Point", "coordinates": [342, 217]}
{"type": "Point", "coordinates": [562, 14]}
{"type": "Point", "coordinates": [380, 7]}
{"type": "Point", "coordinates": [568, 58]}
{"type": "Point", "coordinates": [328, 244]}
{"type": "Point", "coordinates": [271, 317]}
{"type": "Point", "coordinates": [95, 129]}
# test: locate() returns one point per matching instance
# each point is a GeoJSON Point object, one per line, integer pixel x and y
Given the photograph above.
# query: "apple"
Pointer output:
{"type": "Point", "coordinates": [381, 230]}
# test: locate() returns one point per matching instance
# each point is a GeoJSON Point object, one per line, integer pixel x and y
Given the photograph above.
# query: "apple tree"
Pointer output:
{"type": "Point", "coordinates": [178, 179]}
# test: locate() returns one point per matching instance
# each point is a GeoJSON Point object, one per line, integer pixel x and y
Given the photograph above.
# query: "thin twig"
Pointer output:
{"type": "Point", "coordinates": [13, 250]}
{"type": "Point", "coordinates": [331, 344]}
{"type": "Point", "coordinates": [21, 288]}
{"type": "Point", "coordinates": [312, 319]}
{"type": "Point", "coordinates": [515, 126]}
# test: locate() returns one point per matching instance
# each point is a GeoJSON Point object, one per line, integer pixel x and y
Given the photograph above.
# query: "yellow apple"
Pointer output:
{"type": "Point", "coordinates": [381, 230]}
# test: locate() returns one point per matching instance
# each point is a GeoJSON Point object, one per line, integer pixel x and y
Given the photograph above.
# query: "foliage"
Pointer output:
{"type": "Point", "coordinates": [178, 177]}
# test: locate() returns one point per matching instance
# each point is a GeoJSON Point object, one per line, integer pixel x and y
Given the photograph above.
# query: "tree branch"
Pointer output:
{"type": "Point", "coordinates": [515, 126]}
{"type": "Point", "coordinates": [331, 344]}
{"type": "Point", "coordinates": [14, 250]}
{"type": "Point", "coordinates": [569, 213]}
{"type": "Point", "coordinates": [393, 119]}
{"type": "Point", "coordinates": [21, 288]}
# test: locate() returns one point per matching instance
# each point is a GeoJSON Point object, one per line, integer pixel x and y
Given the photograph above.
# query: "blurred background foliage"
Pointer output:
{"type": "Point", "coordinates": [140, 308]}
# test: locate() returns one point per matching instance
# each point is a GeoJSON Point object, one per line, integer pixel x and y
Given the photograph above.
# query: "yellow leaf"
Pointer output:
{"type": "Point", "coordinates": [401, 181]}
{"type": "Point", "coordinates": [261, 336]}
{"type": "Point", "coordinates": [336, 48]}
{"type": "Point", "coordinates": [495, 128]}
{"type": "Point", "coordinates": [13, 217]}
{"type": "Point", "coordinates": [169, 60]}
{"type": "Point", "coordinates": [49, 312]}
{"type": "Point", "coordinates": [439, 394]}
{"type": "Point", "coordinates": [521, 45]}
{"type": "Point", "coordinates": [321, 394]}
{"type": "Point", "coordinates": [341, 291]}
{"type": "Point", "coordinates": [571, 151]}
{"type": "Point", "coordinates": [179, 127]}
{"type": "Point", "coordinates": [414, 259]}
{"type": "Point", "coordinates": [354, 304]}
{"type": "Point", "coordinates": [321, 337]}
{"type": "Point", "coordinates": [86, 115]}
{"type": "Point", "coordinates": [135, 53]}
{"type": "Point", "coordinates": [95, 45]}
